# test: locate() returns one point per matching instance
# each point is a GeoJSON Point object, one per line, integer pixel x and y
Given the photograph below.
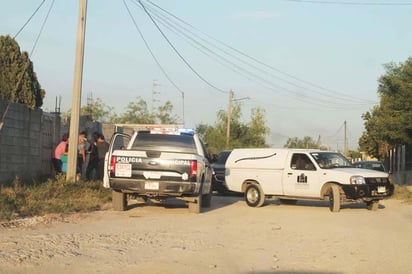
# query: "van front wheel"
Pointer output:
{"type": "Point", "coordinates": [254, 195]}
{"type": "Point", "coordinates": [334, 198]}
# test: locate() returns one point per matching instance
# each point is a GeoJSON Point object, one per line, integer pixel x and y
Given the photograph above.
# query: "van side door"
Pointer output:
{"type": "Point", "coordinates": [300, 176]}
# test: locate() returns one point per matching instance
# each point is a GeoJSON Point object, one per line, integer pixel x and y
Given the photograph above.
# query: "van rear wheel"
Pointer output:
{"type": "Point", "coordinates": [254, 195]}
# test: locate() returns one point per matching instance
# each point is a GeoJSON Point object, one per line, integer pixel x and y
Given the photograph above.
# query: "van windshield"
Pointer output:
{"type": "Point", "coordinates": [330, 159]}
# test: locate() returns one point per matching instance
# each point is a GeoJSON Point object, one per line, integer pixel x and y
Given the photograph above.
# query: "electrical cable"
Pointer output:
{"type": "Point", "coordinates": [336, 94]}
{"type": "Point", "coordinates": [42, 27]}
{"type": "Point", "coordinates": [178, 53]}
{"type": "Point", "coordinates": [28, 20]}
{"type": "Point", "coordinates": [150, 50]}
{"type": "Point", "coordinates": [169, 24]}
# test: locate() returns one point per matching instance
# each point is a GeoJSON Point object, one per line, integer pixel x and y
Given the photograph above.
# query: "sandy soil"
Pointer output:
{"type": "Point", "coordinates": [230, 237]}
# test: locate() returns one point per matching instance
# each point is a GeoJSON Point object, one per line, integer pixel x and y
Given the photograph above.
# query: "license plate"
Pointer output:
{"type": "Point", "coordinates": [381, 189]}
{"type": "Point", "coordinates": [151, 185]}
{"type": "Point", "coordinates": [123, 170]}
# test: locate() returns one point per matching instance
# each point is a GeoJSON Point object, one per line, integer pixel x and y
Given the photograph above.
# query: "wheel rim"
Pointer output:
{"type": "Point", "coordinates": [252, 195]}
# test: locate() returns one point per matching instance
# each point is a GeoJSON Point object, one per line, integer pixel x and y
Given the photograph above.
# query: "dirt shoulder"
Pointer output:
{"type": "Point", "coordinates": [230, 237]}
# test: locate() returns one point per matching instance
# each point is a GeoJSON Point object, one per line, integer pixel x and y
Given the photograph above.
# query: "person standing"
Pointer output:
{"type": "Point", "coordinates": [102, 148]}
{"type": "Point", "coordinates": [60, 150]}
{"type": "Point", "coordinates": [91, 170]}
{"type": "Point", "coordinates": [81, 154]}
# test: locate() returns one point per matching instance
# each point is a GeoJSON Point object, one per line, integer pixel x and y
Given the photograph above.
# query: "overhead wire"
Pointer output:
{"type": "Point", "coordinates": [42, 27]}
{"type": "Point", "coordinates": [150, 50]}
{"type": "Point", "coordinates": [325, 92]}
{"type": "Point", "coordinates": [29, 19]}
{"type": "Point", "coordinates": [178, 53]}
{"type": "Point", "coordinates": [181, 31]}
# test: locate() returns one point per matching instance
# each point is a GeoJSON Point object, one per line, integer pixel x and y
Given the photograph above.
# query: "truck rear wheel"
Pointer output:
{"type": "Point", "coordinates": [207, 200]}
{"type": "Point", "coordinates": [372, 205]}
{"type": "Point", "coordinates": [195, 206]}
{"type": "Point", "coordinates": [254, 195]}
{"type": "Point", "coordinates": [334, 198]}
{"type": "Point", "coordinates": [119, 201]}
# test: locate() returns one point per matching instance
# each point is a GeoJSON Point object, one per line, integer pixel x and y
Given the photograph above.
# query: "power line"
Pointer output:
{"type": "Point", "coordinates": [178, 53]}
{"type": "Point", "coordinates": [28, 20]}
{"type": "Point", "coordinates": [150, 50]}
{"type": "Point", "coordinates": [324, 91]}
{"type": "Point", "coordinates": [191, 37]}
{"type": "Point", "coordinates": [42, 27]}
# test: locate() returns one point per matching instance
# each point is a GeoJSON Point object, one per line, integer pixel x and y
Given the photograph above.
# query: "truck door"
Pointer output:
{"type": "Point", "coordinates": [118, 141]}
{"type": "Point", "coordinates": [300, 176]}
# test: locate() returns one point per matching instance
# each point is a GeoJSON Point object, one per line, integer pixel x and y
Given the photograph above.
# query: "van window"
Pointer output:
{"type": "Point", "coordinates": [301, 162]}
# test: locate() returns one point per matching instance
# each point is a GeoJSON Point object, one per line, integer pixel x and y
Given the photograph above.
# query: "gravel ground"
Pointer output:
{"type": "Point", "coordinates": [230, 237]}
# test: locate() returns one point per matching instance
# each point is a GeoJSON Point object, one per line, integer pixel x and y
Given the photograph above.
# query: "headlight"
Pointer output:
{"type": "Point", "coordinates": [357, 180]}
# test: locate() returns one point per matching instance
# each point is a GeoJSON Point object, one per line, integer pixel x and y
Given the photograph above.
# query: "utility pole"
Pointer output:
{"type": "Point", "coordinates": [345, 140]}
{"type": "Point", "coordinates": [229, 117]}
{"type": "Point", "coordinates": [183, 107]}
{"type": "Point", "coordinates": [154, 85]}
{"type": "Point", "coordinates": [77, 92]}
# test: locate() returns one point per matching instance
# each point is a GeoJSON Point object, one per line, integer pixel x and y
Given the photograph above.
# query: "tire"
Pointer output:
{"type": "Point", "coordinates": [119, 201]}
{"type": "Point", "coordinates": [288, 202]}
{"type": "Point", "coordinates": [372, 205]}
{"type": "Point", "coordinates": [254, 195]}
{"type": "Point", "coordinates": [195, 206]}
{"type": "Point", "coordinates": [334, 198]}
{"type": "Point", "coordinates": [207, 200]}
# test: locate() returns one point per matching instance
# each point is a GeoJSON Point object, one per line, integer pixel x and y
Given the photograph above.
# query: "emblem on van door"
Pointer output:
{"type": "Point", "coordinates": [302, 178]}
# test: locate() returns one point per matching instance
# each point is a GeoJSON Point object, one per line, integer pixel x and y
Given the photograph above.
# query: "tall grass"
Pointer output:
{"type": "Point", "coordinates": [51, 196]}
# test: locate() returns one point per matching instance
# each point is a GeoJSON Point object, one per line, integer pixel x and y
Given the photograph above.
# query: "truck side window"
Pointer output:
{"type": "Point", "coordinates": [301, 162]}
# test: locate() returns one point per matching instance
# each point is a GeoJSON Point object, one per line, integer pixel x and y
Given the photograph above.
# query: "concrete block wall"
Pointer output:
{"type": "Point", "coordinates": [27, 139]}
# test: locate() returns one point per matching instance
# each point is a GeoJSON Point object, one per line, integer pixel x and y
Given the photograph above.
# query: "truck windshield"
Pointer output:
{"type": "Point", "coordinates": [165, 142]}
{"type": "Point", "coordinates": [330, 159]}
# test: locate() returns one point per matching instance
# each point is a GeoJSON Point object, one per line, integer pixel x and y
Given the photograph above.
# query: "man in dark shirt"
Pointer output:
{"type": "Point", "coordinates": [102, 148]}
{"type": "Point", "coordinates": [91, 171]}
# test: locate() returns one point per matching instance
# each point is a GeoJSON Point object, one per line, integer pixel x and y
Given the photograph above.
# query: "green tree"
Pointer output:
{"type": "Point", "coordinates": [307, 143]}
{"type": "Point", "coordinates": [97, 109]}
{"type": "Point", "coordinates": [18, 81]}
{"type": "Point", "coordinates": [165, 114]}
{"type": "Point", "coordinates": [250, 134]}
{"type": "Point", "coordinates": [390, 123]}
{"type": "Point", "coordinates": [138, 113]}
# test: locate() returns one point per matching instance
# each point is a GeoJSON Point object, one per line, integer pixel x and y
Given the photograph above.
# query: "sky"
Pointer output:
{"type": "Point", "coordinates": [311, 65]}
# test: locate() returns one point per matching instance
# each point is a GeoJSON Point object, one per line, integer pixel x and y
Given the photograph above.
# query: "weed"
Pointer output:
{"type": "Point", "coordinates": [51, 196]}
{"type": "Point", "coordinates": [404, 193]}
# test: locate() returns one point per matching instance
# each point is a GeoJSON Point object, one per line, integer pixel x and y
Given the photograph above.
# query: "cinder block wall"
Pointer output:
{"type": "Point", "coordinates": [27, 139]}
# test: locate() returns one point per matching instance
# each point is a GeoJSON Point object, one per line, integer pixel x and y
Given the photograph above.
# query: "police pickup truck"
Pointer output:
{"type": "Point", "coordinates": [292, 174]}
{"type": "Point", "coordinates": [158, 164]}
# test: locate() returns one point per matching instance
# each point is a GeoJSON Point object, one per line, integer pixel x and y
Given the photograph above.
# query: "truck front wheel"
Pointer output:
{"type": "Point", "coordinates": [372, 205]}
{"type": "Point", "coordinates": [254, 195]}
{"type": "Point", "coordinates": [334, 198]}
{"type": "Point", "coordinates": [119, 200]}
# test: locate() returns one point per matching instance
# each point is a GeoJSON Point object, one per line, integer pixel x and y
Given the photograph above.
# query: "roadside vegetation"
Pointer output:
{"type": "Point", "coordinates": [59, 196]}
{"type": "Point", "coordinates": [403, 193]}
{"type": "Point", "coordinates": [51, 196]}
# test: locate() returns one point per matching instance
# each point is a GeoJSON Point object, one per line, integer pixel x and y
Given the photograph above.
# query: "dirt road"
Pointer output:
{"type": "Point", "coordinates": [230, 237]}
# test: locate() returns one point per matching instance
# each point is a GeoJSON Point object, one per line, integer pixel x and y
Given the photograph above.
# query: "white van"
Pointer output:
{"type": "Point", "coordinates": [295, 174]}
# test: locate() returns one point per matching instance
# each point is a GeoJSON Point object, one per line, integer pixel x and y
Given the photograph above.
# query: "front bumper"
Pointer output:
{"type": "Point", "coordinates": [368, 192]}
